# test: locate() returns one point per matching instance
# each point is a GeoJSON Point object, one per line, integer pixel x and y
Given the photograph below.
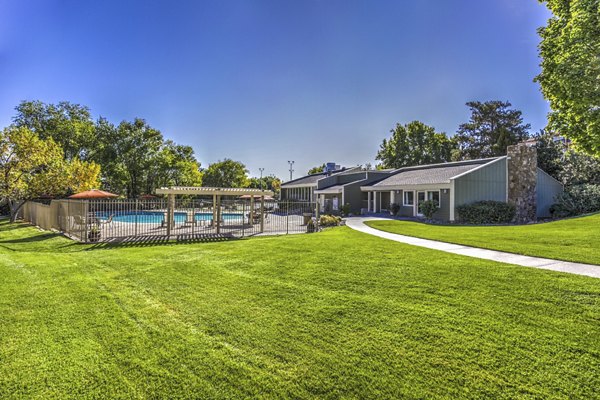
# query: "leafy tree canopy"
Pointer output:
{"type": "Point", "coordinates": [413, 144]}
{"type": "Point", "coordinates": [31, 167]}
{"type": "Point", "coordinates": [316, 170]}
{"type": "Point", "coordinates": [226, 173]}
{"type": "Point", "coordinates": [492, 128]}
{"type": "Point", "coordinates": [69, 125]}
{"type": "Point", "coordinates": [570, 77]}
{"type": "Point", "coordinates": [270, 182]}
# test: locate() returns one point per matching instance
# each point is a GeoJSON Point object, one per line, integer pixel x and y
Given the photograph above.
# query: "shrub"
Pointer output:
{"type": "Point", "coordinates": [345, 209]}
{"type": "Point", "coordinates": [486, 212]}
{"type": "Point", "coordinates": [577, 200]}
{"type": "Point", "coordinates": [394, 208]}
{"type": "Point", "coordinates": [329, 220]}
{"type": "Point", "coordinates": [428, 208]}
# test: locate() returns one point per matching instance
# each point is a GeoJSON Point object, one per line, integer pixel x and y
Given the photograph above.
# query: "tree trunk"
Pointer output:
{"type": "Point", "coordinates": [15, 206]}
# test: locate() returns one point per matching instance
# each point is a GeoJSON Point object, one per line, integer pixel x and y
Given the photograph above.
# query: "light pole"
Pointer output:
{"type": "Point", "coordinates": [291, 168]}
{"type": "Point", "coordinates": [261, 172]}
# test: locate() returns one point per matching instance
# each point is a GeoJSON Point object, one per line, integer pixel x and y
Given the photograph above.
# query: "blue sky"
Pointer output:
{"type": "Point", "coordinates": [264, 82]}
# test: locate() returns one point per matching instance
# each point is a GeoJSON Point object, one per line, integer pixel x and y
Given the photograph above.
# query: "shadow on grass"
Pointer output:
{"type": "Point", "coordinates": [151, 241]}
{"type": "Point", "coordinates": [31, 239]}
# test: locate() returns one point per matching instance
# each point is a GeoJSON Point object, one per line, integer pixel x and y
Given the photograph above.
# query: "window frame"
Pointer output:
{"type": "Point", "coordinates": [404, 203]}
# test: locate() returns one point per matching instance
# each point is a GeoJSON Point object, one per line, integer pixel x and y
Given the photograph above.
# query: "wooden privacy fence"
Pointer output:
{"type": "Point", "coordinates": [67, 216]}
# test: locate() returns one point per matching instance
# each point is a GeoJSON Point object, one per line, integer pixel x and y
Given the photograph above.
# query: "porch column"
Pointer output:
{"type": "Point", "coordinates": [368, 201]}
{"type": "Point", "coordinates": [375, 202]}
{"type": "Point", "coordinates": [392, 196]}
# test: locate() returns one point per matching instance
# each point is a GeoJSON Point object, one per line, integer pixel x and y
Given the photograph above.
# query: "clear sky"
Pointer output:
{"type": "Point", "coordinates": [264, 82]}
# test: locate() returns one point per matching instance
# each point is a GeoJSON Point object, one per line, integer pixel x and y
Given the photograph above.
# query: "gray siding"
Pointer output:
{"type": "Point", "coordinates": [326, 181]}
{"type": "Point", "coordinates": [547, 190]}
{"type": "Point", "coordinates": [405, 211]}
{"type": "Point", "coordinates": [443, 214]}
{"type": "Point", "coordinates": [487, 183]}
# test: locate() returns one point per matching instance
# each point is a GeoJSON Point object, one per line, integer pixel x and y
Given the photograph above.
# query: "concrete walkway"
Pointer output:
{"type": "Point", "coordinates": [358, 223]}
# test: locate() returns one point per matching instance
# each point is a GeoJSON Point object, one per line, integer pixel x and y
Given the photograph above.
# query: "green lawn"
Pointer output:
{"type": "Point", "coordinates": [575, 239]}
{"type": "Point", "coordinates": [328, 315]}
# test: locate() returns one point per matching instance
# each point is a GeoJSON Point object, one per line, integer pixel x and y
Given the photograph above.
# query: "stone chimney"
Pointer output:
{"type": "Point", "coordinates": [522, 181]}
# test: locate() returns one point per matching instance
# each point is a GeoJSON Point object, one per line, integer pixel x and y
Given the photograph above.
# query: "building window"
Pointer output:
{"type": "Point", "coordinates": [409, 198]}
{"type": "Point", "coordinates": [434, 195]}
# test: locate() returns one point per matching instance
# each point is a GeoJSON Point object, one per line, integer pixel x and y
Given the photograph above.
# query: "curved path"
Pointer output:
{"type": "Point", "coordinates": [358, 223]}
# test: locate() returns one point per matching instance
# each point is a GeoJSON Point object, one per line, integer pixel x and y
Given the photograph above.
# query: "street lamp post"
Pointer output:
{"type": "Point", "coordinates": [291, 168]}
{"type": "Point", "coordinates": [261, 173]}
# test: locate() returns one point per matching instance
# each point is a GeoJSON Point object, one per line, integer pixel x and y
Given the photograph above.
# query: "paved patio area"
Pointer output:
{"type": "Point", "coordinates": [358, 223]}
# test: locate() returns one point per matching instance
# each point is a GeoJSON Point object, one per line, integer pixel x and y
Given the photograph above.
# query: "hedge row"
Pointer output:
{"type": "Point", "coordinates": [486, 212]}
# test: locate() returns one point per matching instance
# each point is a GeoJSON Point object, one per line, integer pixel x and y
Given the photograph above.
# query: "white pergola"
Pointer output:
{"type": "Point", "coordinates": [216, 193]}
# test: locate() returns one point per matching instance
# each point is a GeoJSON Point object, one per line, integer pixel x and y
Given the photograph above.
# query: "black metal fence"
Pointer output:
{"type": "Point", "coordinates": [192, 217]}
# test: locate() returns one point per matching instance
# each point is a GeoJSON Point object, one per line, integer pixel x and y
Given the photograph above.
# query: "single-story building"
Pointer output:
{"type": "Point", "coordinates": [334, 188]}
{"type": "Point", "coordinates": [514, 178]}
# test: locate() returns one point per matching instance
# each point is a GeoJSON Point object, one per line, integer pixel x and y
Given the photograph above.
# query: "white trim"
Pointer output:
{"type": "Point", "coordinates": [300, 185]}
{"type": "Point", "coordinates": [433, 186]}
{"type": "Point", "coordinates": [478, 168]}
{"type": "Point", "coordinates": [452, 200]}
{"type": "Point", "coordinates": [404, 198]}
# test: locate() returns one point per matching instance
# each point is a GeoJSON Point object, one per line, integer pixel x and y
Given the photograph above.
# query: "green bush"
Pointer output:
{"type": "Point", "coordinates": [428, 208]}
{"type": "Point", "coordinates": [486, 212]}
{"type": "Point", "coordinates": [345, 209]}
{"type": "Point", "coordinates": [394, 208]}
{"type": "Point", "coordinates": [577, 200]}
{"type": "Point", "coordinates": [329, 220]}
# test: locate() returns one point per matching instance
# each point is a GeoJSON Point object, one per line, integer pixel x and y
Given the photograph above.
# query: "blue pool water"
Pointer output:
{"type": "Point", "coordinates": [149, 217]}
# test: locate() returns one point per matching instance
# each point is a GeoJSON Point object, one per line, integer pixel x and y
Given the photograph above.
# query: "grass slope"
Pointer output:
{"type": "Point", "coordinates": [328, 315]}
{"type": "Point", "coordinates": [575, 239]}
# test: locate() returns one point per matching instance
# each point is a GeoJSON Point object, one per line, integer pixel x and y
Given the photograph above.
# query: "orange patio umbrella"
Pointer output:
{"type": "Point", "coordinates": [94, 194]}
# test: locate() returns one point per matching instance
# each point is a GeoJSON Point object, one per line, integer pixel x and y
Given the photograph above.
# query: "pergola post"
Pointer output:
{"type": "Point", "coordinates": [214, 210]}
{"type": "Point", "coordinates": [170, 213]}
{"type": "Point", "coordinates": [262, 213]}
{"type": "Point", "coordinates": [218, 214]}
{"type": "Point", "coordinates": [251, 210]}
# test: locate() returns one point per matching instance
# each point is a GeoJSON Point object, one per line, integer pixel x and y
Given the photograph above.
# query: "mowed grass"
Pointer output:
{"type": "Point", "coordinates": [328, 315]}
{"type": "Point", "coordinates": [575, 239]}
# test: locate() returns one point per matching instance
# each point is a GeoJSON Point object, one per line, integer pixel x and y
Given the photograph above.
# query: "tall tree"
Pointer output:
{"type": "Point", "coordinates": [175, 166]}
{"type": "Point", "coordinates": [492, 128]}
{"type": "Point", "coordinates": [570, 77]}
{"type": "Point", "coordinates": [226, 173]}
{"type": "Point", "coordinates": [69, 125]}
{"type": "Point", "coordinates": [414, 144]}
{"type": "Point", "coordinates": [31, 167]}
{"type": "Point", "coordinates": [270, 182]}
{"type": "Point", "coordinates": [550, 153]}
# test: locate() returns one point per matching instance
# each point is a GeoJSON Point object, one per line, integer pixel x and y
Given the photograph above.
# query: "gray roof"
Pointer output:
{"type": "Point", "coordinates": [331, 189]}
{"type": "Point", "coordinates": [430, 174]}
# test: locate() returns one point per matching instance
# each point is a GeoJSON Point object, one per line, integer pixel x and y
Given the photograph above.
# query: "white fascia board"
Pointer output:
{"type": "Point", "coordinates": [435, 186]}
{"type": "Point", "coordinates": [298, 186]}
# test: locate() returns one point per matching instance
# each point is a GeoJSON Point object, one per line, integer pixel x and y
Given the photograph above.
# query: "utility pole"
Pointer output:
{"type": "Point", "coordinates": [291, 168]}
{"type": "Point", "coordinates": [261, 172]}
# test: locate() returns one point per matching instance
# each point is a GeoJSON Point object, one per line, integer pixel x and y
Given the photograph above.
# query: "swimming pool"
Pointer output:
{"type": "Point", "coordinates": [153, 217]}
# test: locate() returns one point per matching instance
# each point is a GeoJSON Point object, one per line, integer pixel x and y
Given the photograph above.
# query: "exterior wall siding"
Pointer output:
{"type": "Point", "coordinates": [487, 183]}
{"type": "Point", "coordinates": [443, 214]}
{"type": "Point", "coordinates": [547, 190]}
